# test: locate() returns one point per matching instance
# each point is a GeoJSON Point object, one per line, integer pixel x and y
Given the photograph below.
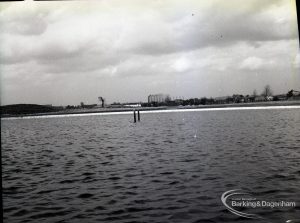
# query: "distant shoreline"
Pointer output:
{"type": "Point", "coordinates": [114, 110]}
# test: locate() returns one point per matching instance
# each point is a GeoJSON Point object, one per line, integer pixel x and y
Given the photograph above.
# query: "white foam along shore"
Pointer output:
{"type": "Point", "coordinates": [155, 111]}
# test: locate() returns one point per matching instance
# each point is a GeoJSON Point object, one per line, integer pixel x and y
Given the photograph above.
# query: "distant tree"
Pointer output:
{"type": "Point", "coordinates": [267, 91]}
{"type": "Point", "coordinates": [81, 104]}
{"type": "Point", "coordinates": [168, 99]}
{"type": "Point", "coordinates": [197, 101]}
{"type": "Point", "coordinates": [203, 100]}
{"type": "Point", "coordinates": [290, 94]}
{"type": "Point", "coordinates": [191, 101]}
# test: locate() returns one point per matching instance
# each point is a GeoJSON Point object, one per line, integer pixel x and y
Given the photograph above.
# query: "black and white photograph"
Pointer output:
{"type": "Point", "coordinates": [150, 111]}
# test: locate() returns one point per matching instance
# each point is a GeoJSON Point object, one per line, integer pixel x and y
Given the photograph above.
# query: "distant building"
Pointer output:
{"type": "Point", "coordinates": [259, 98]}
{"type": "Point", "coordinates": [238, 98]}
{"type": "Point", "coordinates": [281, 97]}
{"type": "Point", "coordinates": [222, 100]}
{"type": "Point", "coordinates": [158, 98]}
{"type": "Point", "coordinates": [293, 95]}
{"type": "Point", "coordinates": [179, 101]}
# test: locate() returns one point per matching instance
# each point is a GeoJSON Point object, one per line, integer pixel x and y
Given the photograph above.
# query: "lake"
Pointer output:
{"type": "Point", "coordinates": [170, 167]}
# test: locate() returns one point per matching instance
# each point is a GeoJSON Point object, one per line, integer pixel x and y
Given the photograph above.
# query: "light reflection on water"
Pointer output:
{"type": "Point", "coordinates": [170, 167]}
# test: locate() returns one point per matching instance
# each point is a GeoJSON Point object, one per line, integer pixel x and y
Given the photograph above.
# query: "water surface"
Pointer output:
{"type": "Point", "coordinates": [170, 167]}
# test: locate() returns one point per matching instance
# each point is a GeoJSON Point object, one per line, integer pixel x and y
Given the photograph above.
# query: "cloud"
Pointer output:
{"type": "Point", "coordinates": [47, 32]}
{"type": "Point", "coordinates": [181, 65]}
{"type": "Point", "coordinates": [252, 63]}
{"type": "Point", "coordinates": [217, 24]}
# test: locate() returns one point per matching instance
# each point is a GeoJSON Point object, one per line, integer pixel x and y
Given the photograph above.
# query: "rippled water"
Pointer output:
{"type": "Point", "coordinates": [170, 167]}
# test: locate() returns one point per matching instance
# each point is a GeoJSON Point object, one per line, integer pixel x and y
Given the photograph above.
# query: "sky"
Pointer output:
{"type": "Point", "coordinates": [64, 53]}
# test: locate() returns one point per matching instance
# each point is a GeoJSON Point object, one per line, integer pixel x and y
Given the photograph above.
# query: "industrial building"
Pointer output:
{"type": "Point", "coordinates": [158, 98]}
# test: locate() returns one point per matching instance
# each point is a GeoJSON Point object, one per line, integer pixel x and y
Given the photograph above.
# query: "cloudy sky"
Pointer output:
{"type": "Point", "coordinates": [63, 53]}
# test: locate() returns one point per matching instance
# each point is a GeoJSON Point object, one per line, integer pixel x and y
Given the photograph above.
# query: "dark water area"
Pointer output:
{"type": "Point", "coordinates": [170, 167]}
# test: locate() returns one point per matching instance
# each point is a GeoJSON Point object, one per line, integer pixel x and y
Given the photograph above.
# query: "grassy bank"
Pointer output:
{"type": "Point", "coordinates": [111, 110]}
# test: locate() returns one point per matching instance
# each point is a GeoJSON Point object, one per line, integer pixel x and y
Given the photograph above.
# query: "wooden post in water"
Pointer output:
{"type": "Point", "coordinates": [134, 116]}
{"type": "Point", "coordinates": [138, 115]}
